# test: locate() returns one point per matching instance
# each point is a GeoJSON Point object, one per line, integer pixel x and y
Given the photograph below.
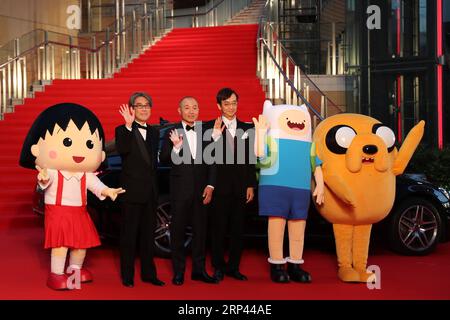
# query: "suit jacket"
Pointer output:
{"type": "Point", "coordinates": [139, 163]}
{"type": "Point", "coordinates": [188, 177]}
{"type": "Point", "coordinates": [239, 172]}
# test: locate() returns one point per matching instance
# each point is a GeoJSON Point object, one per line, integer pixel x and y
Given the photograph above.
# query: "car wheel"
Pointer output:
{"type": "Point", "coordinates": [162, 231]}
{"type": "Point", "coordinates": [415, 227]}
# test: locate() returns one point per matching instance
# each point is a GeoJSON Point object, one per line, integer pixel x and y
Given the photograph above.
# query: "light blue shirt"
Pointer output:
{"type": "Point", "coordinates": [293, 166]}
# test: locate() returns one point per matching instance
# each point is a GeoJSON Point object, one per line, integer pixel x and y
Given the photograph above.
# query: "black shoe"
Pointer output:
{"type": "Point", "coordinates": [128, 283]}
{"type": "Point", "coordinates": [178, 279]}
{"type": "Point", "coordinates": [218, 275]}
{"type": "Point", "coordinates": [155, 281]}
{"type": "Point", "coordinates": [237, 275]}
{"type": "Point", "coordinates": [203, 276]}
{"type": "Point", "coordinates": [278, 273]}
{"type": "Point", "coordinates": [297, 274]}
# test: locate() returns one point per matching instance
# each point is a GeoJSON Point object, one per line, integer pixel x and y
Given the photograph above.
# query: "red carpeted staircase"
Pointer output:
{"type": "Point", "coordinates": [196, 62]}
{"type": "Point", "coordinates": [193, 62]}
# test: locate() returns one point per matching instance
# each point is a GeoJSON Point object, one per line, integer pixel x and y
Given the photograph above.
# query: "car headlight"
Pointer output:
{"type": "Point", "coordinates": [445, 192]}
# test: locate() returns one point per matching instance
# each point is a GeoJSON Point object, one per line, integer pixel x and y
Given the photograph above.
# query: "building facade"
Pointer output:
{"type": "Point", "coordinates": [397, 53]}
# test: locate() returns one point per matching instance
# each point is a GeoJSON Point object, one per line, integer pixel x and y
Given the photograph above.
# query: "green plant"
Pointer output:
{"type": "Point", "coordinates": [434, 163]}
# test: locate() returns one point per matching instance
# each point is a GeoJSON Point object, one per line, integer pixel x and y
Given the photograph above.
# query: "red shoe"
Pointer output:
{"type": "Point", "coordinates": [57, 281]}
{"type": "Point", "coordinates": [85, 275]}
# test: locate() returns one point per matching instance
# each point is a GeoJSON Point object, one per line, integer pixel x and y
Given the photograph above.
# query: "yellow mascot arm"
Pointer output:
{"type": "Point", "coordinates": [408, 147]}
{"type": "Point", "coordinates": [337, 185]}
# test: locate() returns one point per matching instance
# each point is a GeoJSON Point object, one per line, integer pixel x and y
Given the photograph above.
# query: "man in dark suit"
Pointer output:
{"type": "Point", "coordinates": [235, 184]}
{"type": "Point", "coordinates": [192, 182]}
{"type": "Point", "coordinates": [137, 143]}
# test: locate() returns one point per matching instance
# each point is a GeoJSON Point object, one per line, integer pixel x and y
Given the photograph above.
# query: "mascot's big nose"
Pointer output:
{"type": "Point", "coordinates": [370, 149]}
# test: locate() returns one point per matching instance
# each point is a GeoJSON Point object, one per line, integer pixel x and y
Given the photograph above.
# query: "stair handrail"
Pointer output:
{"type": "Point", "coordinates": [288, 56]}
{"type": "Point", "coordinates": [46, 42]}
{"type": "Point", "coordinates": [115, 34]}
{"type": "Point", "coordinates": [101, 60]}
{"type": "Point", "coordinates": [212, 13]}
{"type": "Point", "coordinates": [280, 74]}
{"type": "Point", "coordinates": [261, 42]}
{"type": "Point", "coordinates": [216, 5]}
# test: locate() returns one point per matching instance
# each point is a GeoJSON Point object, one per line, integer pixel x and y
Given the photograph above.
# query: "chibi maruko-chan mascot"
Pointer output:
{"type": "Point", "coordinates": [65, 144]}
{"type": "Point", "coordinates": [283, 146]}
{"type": "Point", "coordinates": [360, 163]}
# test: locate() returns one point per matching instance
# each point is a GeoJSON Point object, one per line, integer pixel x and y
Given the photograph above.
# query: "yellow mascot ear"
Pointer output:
{"type": "Point", "coordinates": [35, 150]}
{"type": "Point", "coordinates": [103, 156]}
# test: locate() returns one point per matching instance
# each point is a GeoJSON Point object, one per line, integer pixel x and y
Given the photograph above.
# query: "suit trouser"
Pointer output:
{"type": "Point", "coordinates": [138, 223]}
{"type": "Point", "coordinates": [187, 212]}
{"type": "Point", "coordinates": [228, 212]}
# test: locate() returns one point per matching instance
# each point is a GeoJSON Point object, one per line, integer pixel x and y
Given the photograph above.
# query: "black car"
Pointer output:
{"type": "Point", "coordinates": [418, 220]}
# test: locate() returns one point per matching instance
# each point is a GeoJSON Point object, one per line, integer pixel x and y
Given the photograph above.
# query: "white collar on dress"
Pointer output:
{"type": "Point", "coordinates": [68, 175]}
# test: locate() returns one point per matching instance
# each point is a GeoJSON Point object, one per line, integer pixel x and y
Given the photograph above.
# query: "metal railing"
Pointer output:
{"type": "Point", "coordinates": [335, 52]}
{"type": "Point", "coordinates": [315, 42]}
{"type": "Point", "coordinates": [319, 55]}
{"type": "Point", "coordinates": [100, 13]}
{"type": "Point", "coordinates": [214, 13]}
{"type": "Point", "coordinates": [44, 56]}
{"type": "Point", "coordinates": [283, 79]}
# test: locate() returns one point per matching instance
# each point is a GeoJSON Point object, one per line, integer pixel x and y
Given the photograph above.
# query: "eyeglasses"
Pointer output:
{"type": "Point", "coordinates": [142, 106]}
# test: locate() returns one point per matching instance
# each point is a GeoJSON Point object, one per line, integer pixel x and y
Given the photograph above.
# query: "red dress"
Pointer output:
{"type": "Point", "coordinates": [69, 226]}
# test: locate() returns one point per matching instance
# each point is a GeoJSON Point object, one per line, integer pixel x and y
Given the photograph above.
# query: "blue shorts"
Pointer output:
{"type": "Point", "coordinates": [285, 202]}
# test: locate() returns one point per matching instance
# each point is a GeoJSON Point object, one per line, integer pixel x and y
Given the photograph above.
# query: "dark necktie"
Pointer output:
{"type": "Point", "coordinates": [190, 128]}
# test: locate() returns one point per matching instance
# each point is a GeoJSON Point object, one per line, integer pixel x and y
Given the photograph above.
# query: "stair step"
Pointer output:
{"type": "Point", "coordinates": [186, 61]}
{"type": "Point", "coordinates": [9, 206]}
{"type": "Point", "coordinates": [24, 218]}
{"type": "Point", "coordinates": [125, 86]}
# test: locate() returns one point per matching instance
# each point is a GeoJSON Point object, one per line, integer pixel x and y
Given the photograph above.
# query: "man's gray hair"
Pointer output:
{"type": "Point", "coordinates": [136, 95]}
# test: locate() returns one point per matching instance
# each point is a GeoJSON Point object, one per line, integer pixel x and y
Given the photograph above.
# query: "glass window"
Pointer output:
{"type": "Point", "coordinates": [446, 11]}
{"type": "Point", "coordinates": [394, 28]}
{"type": "Point", "coordinates": [412, 100]}
{"type": "Point", "coordinates": [422, 27]}
{"type": "Point", "coordinates": [408, 28]}
{"type": "Point", "coordinates": [351, 5]}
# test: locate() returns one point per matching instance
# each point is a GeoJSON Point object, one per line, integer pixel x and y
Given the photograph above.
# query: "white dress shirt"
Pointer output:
{"type": "Point", "coordinates": [71, 193]}
{"type": "Point", "coordinates": [191, 137]}
{"type": "Point", "coordinates": [142, 131]}
{"type": "Point", "coordinates": [231, 126]}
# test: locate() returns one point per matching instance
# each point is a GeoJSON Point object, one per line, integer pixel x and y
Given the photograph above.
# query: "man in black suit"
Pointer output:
{"type": "Point", "coordinates": [137, 143]}
{"type": "Point", "coordinates": [235, 184]}
{"type": "Point", "coordinates": [191, 186]}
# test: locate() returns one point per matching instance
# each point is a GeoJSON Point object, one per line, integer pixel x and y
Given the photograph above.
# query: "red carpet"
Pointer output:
{"type": "Point", "coordinates": [25, 264]}
{"type": "Point", "coordinates": [194, 62]}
